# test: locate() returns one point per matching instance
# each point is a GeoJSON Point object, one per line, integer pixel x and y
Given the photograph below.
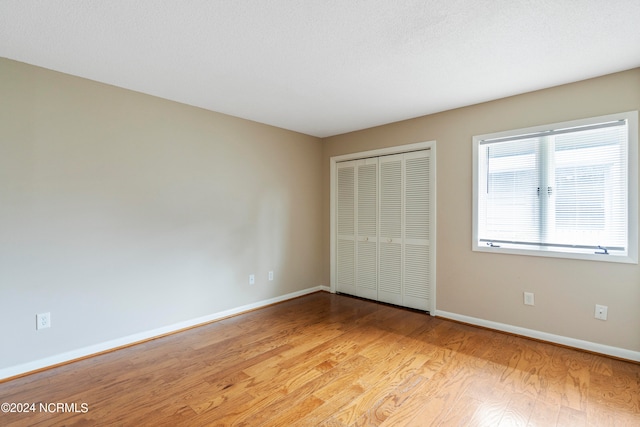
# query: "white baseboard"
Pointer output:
{"type": "Point", "coordinates": [69, 356]}
{"type": "Point", "coordinates": [544, 336]}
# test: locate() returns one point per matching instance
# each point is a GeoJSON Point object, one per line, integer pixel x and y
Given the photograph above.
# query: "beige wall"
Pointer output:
{"type": "Point", "coordinates": [490, 286]}
{"type": "Point", "coordinates": [122, 213]}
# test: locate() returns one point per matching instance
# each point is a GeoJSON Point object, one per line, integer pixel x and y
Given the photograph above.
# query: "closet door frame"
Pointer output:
{"type": "Point", "coordinates": [428, 145]}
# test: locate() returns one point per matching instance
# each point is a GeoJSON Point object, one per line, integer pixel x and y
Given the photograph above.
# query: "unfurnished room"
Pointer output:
{"type": "Point", "coordinates": [319, 213]}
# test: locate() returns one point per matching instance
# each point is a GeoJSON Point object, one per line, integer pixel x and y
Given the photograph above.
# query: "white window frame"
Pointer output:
{"type": "Point", "coordinates": [632, 200]}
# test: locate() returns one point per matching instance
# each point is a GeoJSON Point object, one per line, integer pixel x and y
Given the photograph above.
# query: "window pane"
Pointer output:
{"type": "Point", "coordinates": [510, 198]}
{"type": "Point", "coordinates": [590, 188]}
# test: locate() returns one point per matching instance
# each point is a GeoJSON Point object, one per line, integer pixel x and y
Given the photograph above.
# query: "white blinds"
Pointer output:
{"type": "Point", "coordinates": [564, 188]}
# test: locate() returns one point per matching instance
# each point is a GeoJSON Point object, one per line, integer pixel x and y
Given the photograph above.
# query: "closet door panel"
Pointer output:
{"type": "Point", "coordinates": [390, 260]}
{"type": "Point", "coordinates": [417, 198]}
{"type": "Point", "coordinates": [346, 223]}
{"type": "Point", "coordinates": [367, 228]}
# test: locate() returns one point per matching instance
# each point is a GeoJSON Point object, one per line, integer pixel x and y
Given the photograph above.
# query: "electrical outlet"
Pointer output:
{"type": "Point", "coordinates": [528, 298]}
{"type": "Point", "coordinates": [270, 275]}
{"type": "Point", "coordinates": [601, 312]}
{"type": "Point", "coordinates": [252, 279]}
{"type": "Point", "coordinates": [43, 320]}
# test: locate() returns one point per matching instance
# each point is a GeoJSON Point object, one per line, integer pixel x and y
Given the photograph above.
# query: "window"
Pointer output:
{"type": "Point", "coordinates": [563, 190]}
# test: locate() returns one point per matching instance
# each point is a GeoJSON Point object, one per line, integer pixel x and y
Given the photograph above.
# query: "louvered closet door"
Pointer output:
{"type": "Point", "coordinates": [367, 228]}
{"type": "Point", "coordinates": [346, 222]}
{"type": "Point", "coordinates": [391, 225]}
{"type": "Point", "coordinates": [417, 197]}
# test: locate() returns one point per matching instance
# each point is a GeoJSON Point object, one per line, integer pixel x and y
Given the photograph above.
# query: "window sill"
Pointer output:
{"type": "Point", "coordinates": [549, 253]}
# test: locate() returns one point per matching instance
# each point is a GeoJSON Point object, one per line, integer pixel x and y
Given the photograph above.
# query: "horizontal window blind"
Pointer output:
{"type": "Point", "coordinates": [559, 188]}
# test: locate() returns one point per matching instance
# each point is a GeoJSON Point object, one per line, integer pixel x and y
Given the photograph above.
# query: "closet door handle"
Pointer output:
{"type": "Point", "coordinates": [389, 240]}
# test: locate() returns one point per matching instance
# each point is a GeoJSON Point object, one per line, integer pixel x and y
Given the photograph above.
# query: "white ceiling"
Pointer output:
{"type": "Point", "coordinates": [325, 67]}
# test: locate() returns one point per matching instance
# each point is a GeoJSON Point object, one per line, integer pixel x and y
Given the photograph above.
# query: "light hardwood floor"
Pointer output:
{"type": "Point", "coordinates": [331, 360]}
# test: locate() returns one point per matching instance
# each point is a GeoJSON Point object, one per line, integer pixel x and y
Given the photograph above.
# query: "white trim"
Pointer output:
{"type": "Point", "coordinates": [384, 151]}
{"type": "Point", "coordinates": [79, 353]}
{"type": "Point", "coordinates": [621, 353]}
{"type": "Point", "coordinates": [434, 228]}
{"type": "Point", "coordinates": [426, 145]}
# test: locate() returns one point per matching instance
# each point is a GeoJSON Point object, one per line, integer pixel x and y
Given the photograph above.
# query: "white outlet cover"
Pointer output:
{"type": "Point", "coordinates": [252, 279]}
{"type": "Point", "coordinates": [43, 321]}
{"type": "Point", "coordinates": [271, 275]}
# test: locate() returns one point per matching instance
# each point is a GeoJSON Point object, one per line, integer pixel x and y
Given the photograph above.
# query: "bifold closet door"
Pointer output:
{"type": "Point", "coordinates": [404, 258]}
{"type": "Point", "coordinates": [383, 226]}
{"type": "Point", "coordinates": [357, 272]}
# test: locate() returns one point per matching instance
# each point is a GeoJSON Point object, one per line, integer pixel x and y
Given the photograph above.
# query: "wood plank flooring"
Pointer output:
{"type": "Point", "coordinates": [331, 360]}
